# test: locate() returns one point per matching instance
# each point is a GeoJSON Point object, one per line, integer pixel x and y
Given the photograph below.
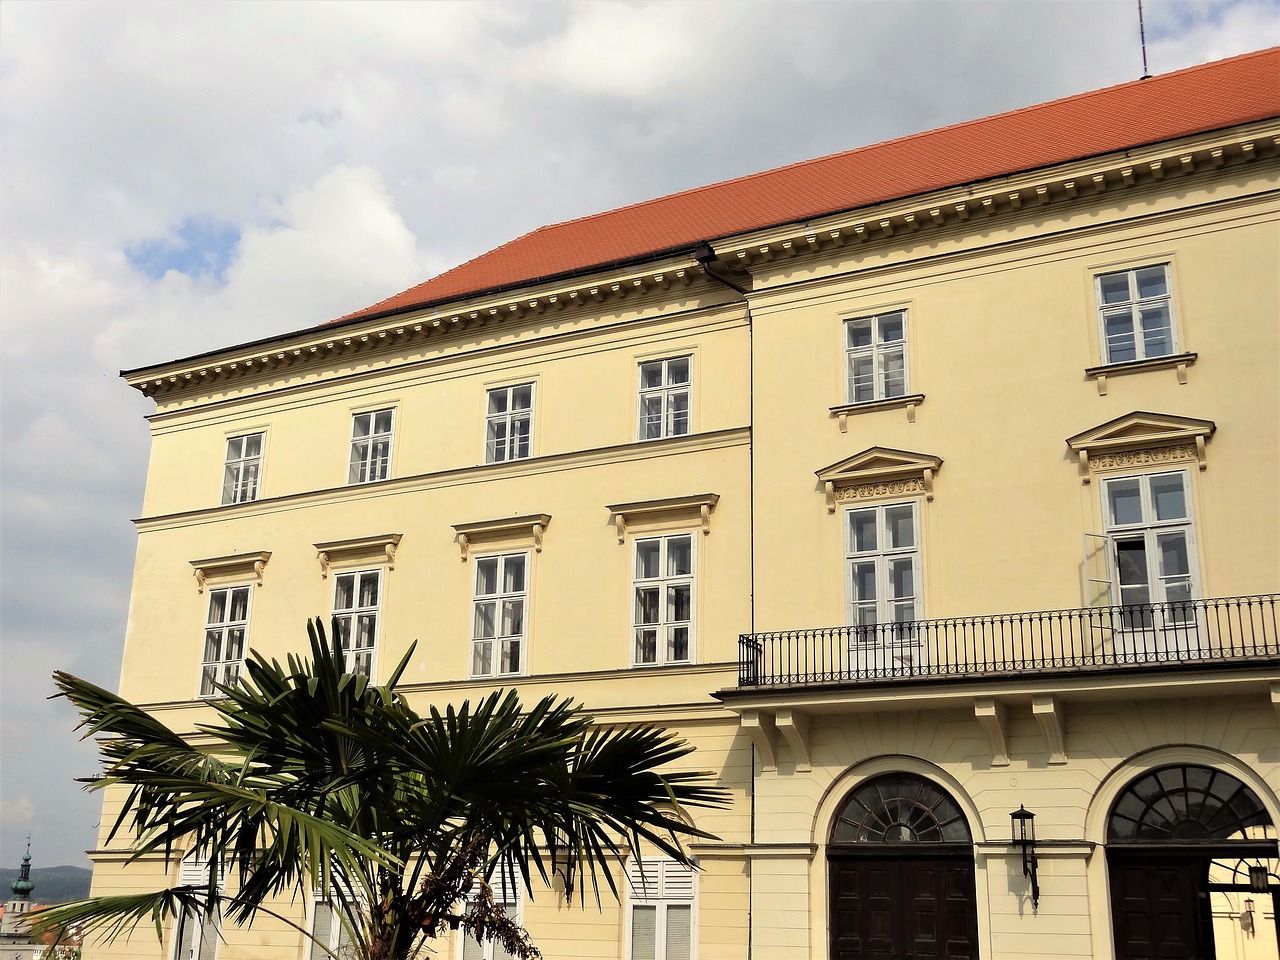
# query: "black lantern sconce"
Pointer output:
{"type": "Point", "coordinates": [1259, 882]}
{"type": "Point", "coordinates": [562, 861]}
{"type": "Point", "coordinates": [1024, 835]}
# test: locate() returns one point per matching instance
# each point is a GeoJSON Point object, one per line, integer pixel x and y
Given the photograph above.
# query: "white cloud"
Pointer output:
{"type": "Point", "coordinates": [17, 810]}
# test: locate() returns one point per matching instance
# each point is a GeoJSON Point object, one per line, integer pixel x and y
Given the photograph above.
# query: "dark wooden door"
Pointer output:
{"type": "Point", "coordinates": [903, 908]}
{"type": "Point", "coordinates": [1160, 907]}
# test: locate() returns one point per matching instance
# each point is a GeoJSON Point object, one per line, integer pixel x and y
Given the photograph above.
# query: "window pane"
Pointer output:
{"type": "Point", "coordinates": [344, 594]}
{"type": "Point", "coordinates": [647, 645]}
{"type": "Point", "coordinates": [485, 625]}
{"type": "Point", "coordinates": [368, 589]}
{"type": "Point", "coordinates": [360, 425]}
{"type": "Point", "coordinates": [862, 531]}
{"type": "Point", "coordinates": [482, 659]}
{"type": "Point", "coordinates": [1152, 282]}
{"type": "Point", "coordinates": [678, 605]}
{"type": "Point", "coordinates": [678, 645]}
{"type": "Point", "coordinates": [366, 627]}
{"type": "Point", "coordinates": [678, 371]}
{"type": "Point", "coordinates": [512, 618]}
{"type": "Point", "coordinates": [1157, 332]}
{"type": "Point", "coordinates": [858, 333]}
{"type": "Point", "coordinates": [1131, 562]}
{"type": "Point", "coordinates": [651, 374]}
{"type": "Point", "coordinates": [647, 605]}
{"type": "Point", "coordinates": [235, 448]}
{"type": "Point", "coordinates": [382, 421]}
{"type": "Point", "coordinates": [522, 397]}
{"type": "Point", "coordinates": [891, 328]}
{"type": "Point", "coordinates": [894, 373]}
{"type": "Point", "coordinates": [239, 603]}
{"type": "Point", "coordinates": [900, 526]}
{"type": "Point", "coordinates": [497, 401]}
{"type": "Point", "coordinates": [212, 646]}
{"type": "Point", "coordinates": [235, 644]}
{"type": "Point", "coordinates": [861, 378]}
{"type": "Point", "coordinates": [679, 556]}
{"type": "Point", "coordinates": [218, 607]}
{"type": "Point", "coordinates": [864, 581]}
{"type": "Point", "coordinates": [1168, 494]}
{"type": "Point", "coordinates": [679, 414]}
{"type": "Point", "coordinates": [644, 932]}
{"type": "Point", "coordinates": [1125, 500]}
{"type": "Point", "coordinates": [510, 656]}
{"type": "Point", "coordinates": [253, 445]}
{"type": "Point", "coordinates": [651, 414]}
{"type": "Point", "coordinates": [901, 578]}
{"type": "Point", "coordinates": [647, 552]}
{"type": "Point", "coordinates": [1173, 555]}
{"type": "Point", "coordinates": [679, 931]}
{"type": "Point", "coordinates": [513, 575]}
{"type": "Point", "coordinates": [486, 577]}
{"type": "Point", "coordinates": [1114, 287]}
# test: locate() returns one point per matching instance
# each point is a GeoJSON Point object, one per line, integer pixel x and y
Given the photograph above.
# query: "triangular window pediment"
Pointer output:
{"type": "Point", "coordinates": [879, 472]}
{"type": "Point", "coordinates": [1141, 438]}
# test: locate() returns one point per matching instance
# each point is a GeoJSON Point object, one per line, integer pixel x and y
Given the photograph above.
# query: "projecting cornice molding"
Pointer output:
{"type": "Point", "coordinates": [697, 505]}
{"type": "Point", "coordinates": [898, 219]}
{"type": "Point", "coordinates": [236, 566]}
{"type": "Point", "coordinates": [530, 527]}
{"type": "Point", "coordinates": [1139, 439]}
{"type": "Point", "coordinates": [656, 281]}
{"type": "Point", "coordinates": [878, 472]}
{"type": "Point", "coordinates": [380, 549]}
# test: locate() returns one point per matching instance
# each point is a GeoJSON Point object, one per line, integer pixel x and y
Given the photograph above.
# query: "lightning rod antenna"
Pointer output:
{"type": "Point", "coordinates": [1142, 35]}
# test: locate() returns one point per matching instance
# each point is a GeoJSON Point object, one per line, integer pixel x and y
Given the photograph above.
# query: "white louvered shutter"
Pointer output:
{"type": "Point", "coordinates": [661, 893]}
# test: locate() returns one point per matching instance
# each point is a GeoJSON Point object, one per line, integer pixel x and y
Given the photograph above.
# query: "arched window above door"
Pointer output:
{"type": "Point", "coordinates": [900, 808]}
{"type": "Point", "coordinates": [1185, 804]}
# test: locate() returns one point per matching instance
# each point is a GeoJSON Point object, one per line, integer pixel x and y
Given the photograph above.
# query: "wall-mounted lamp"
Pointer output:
{"type": "Point", "coordinates": [562, 861]}
{"type": "Point", "coordinates": [1024, 835]}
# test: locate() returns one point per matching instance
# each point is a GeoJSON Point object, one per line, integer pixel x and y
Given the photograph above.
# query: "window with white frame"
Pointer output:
{"type": "Point", "coordinates": [662, 625]}
{"type": "Point", "coordinates": [1151, 535]}
{"type": "Point", "coordinates": [498, 614]}
{"type": "Point", "coordinates": [356, 599]}
{"type": "Point", "coordinates": [876, 357]}
{"type": "Point", "coordinates": [331, 937]}
{"type": "Point", "coordinates": [660, 907]}
{"type": "Point", "coordinates": [882, 557]}
{"type": "Point", "coordinates": [225, 631]}
{"type": "Point", "coordinates": [243, 468]}
{"type": "Point", "coordinates": [1135, 311]}
{"type": "Point", "coordinates": [505, 890]}
{"type": "Point", "coordinates": [370, 446]}
{"type": "Point", "coordinates": [665, 389]}
{"type": "Point", "coordinates": [508, 428]}
{"type": "Point", "coordinates": [196, 932]}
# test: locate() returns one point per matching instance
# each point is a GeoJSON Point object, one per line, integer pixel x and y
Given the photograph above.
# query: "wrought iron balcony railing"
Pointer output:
{"type": "Point", "coordinates": [1192, 633]}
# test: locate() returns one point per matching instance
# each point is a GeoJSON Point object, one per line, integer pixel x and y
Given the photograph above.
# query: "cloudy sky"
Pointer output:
{"type": "Point", "coordinates": [182, 176]}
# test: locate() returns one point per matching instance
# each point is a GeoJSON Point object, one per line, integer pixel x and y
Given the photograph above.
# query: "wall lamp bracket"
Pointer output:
{"type": "Point", "coordinates": [1024, 837]}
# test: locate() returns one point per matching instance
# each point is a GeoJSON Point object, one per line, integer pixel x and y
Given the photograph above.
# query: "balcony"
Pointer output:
{"type": "Point", "coordinates": [1185, 635]}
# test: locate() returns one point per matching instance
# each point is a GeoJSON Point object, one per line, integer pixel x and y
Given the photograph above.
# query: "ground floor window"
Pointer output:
{"type": "Point", "coordinates": [660, 904]}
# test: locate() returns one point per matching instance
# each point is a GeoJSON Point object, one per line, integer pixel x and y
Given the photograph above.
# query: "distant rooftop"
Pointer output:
{"type": "Point", "coordinates": [1196, 100]}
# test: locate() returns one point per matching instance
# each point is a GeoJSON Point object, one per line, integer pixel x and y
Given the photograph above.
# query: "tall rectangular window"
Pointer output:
{"type": "Point", "coordinates": [876, 357]}
{"type": "Point", "coordinates": [331, 936]}
{"type": "Point", "coordinates": [664, 397]}
{"type": "Point", "coordinates": [356, 599]}
{"type": "Point", "coordinates": [1136, 313]}
{"type": "Point", "coordinates": [196, 934]}
{"type": "Point", "coordinates": [243, 468]}
{"type": "Point", "coordinates": [882, 556]}
{"type": "Point", "coordinates": [370, 446]}
{"type": "Point", "coordinates": [1151, 534]}
{"type": "Point", "coordinates": [660, 898]}
{"type": "Point", "coordinates": [505, 895]}
{"type": "Point", "coordinates": [225, 631]}
{"type": "Point", "coordinates": [508, 427]}
{"type": "Point", "coordinates": [663, 608]}
{"type": "Point", "coordinates": [498, 615]}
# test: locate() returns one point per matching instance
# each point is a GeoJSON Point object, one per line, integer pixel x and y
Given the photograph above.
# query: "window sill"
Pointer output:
{"type": "Point", "coordinates": [908, 402]}
{"type": "Point", "coordinates": [1100, 373]}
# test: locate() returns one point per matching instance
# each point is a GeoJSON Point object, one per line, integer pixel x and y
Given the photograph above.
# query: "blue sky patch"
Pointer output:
{"type": "Point", "coordinates": [200, 247]}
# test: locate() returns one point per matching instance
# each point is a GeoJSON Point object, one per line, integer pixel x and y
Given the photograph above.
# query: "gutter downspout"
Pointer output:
{"type": "Point", "coordinates": [706, 257]}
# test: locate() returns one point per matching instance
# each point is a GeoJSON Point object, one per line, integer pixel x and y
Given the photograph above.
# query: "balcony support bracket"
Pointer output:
{"type": "Point", "coordinates": [992, 716]}
{"type": "Point", "coordinates": [760, 727]}
{"type": "Point", "coordinates": [795, 727]}
{"type": "Point", "coordinates": [1049, 713]}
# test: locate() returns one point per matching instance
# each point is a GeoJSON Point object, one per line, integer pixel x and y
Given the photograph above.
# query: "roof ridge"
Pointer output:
{"type": "Point", "coordinates": [975, 121]}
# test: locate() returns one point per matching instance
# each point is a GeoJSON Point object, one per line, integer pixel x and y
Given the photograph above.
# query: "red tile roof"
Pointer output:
{"type": "Point", "coordinates": [1203, 98]}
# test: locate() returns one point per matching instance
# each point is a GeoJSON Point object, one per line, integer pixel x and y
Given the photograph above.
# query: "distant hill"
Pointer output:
{"type": "Point", "coordinates": [53, 884]}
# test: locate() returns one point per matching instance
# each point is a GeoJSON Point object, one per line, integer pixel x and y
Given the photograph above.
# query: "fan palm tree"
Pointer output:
{"type": "Point", "coordinates": [316, 781]}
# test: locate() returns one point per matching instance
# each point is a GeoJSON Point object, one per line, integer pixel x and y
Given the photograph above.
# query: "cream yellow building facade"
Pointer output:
{"type": "Point", "coordinates": [908, 516]}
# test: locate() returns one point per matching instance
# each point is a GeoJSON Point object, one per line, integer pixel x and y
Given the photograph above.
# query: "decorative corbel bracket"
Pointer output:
{"type": "Point", "coordinates": [994, 719]}
{"type": "Point", "coordinates": [795, 727]}
{"type": "Point", "coordinates": [236, 565]}
{"type": "Point", "coordinates": [530, 527]}
{"type": "Point", "coordinates": [377, 549]}
{"type": "Point", "coordinates": [760, 727]}
{"type": "Point", "coordinates": [1049, 713]}
{"type": "Point", "coordinates": [698, 505]}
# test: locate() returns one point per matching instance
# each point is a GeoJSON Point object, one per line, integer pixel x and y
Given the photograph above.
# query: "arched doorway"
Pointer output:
{"type": "Point", "coordinates": [1169, 834]}
{"type": "Point", "coordinates": [900, 867]}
